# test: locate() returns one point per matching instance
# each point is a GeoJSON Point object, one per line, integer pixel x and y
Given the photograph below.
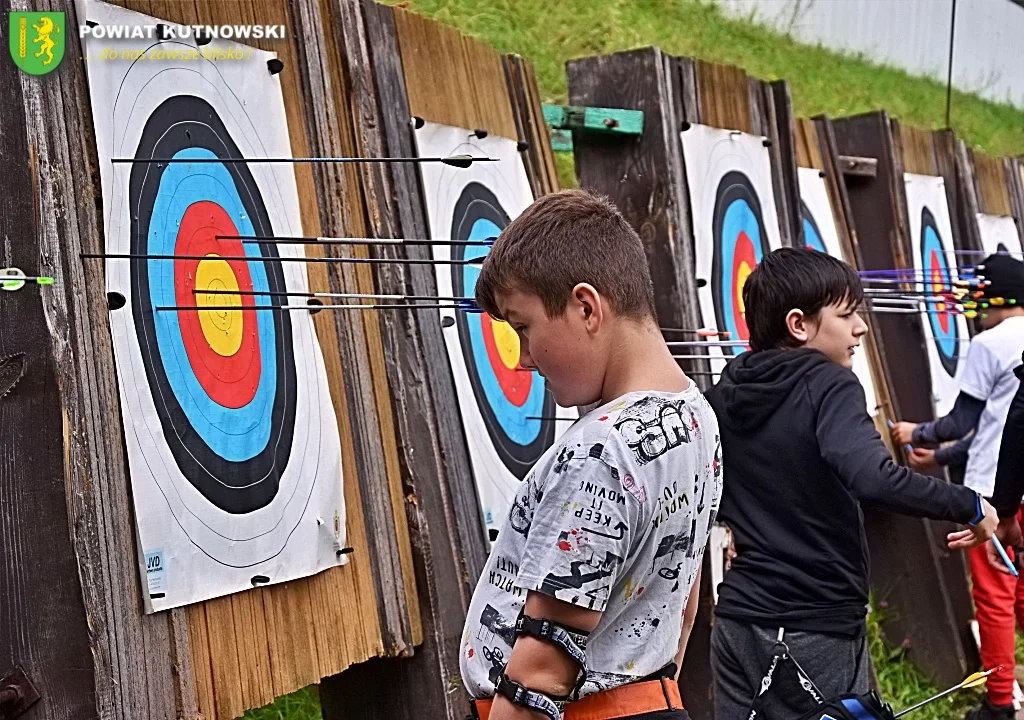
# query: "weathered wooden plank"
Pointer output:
{"type": "Point", "coordinates": [644, 177]}
{"type": "Point", "coordinates": [431, 475]}
{"type": "Point", "coordinates": [43, 626]}
{"type": "Point", "coordinates": [132, 653]}
{"type": "Point", "coordinates": [340, 207]}
{"type": "Point", "coordinates": [879, 212]}
{"type": "Point", "coordinates": [441, 64]}
{"type": "Point", "coordinates": [780, 129]}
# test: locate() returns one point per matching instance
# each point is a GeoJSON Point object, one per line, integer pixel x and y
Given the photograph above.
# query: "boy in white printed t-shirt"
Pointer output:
{"type": "Point", "coordinates": [581, 605]}
{"type": "Point", "coordinates": [986, 391]}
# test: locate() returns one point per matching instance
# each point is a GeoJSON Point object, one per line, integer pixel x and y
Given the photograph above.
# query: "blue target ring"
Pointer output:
{"type": "Point", "coordinates": [519, 423]}
{"type": "Point", "coordinates": [233, 454]}
{"type": "Point", "coordinates": [515, 406]}
{"type": "Point", "coordinates": [740, 241]}
{"type": "Point", "coordinates": [812, 235]}
{"type": "Point", "coordinates": [937, 277]}
{"type": "Point", "coordinates": [235, 434]}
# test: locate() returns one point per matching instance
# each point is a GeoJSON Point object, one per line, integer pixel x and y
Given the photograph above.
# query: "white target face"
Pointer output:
{"type": "Point", "coordinates": [232, 440]}
{"type": "Point", "coordinates": [931, 237]}
{"type": "Point", "coordinates": [820, 233]}
{"type": "Point", "coordinates": [509, 416]}
{"type": "Point", "coordinates": [735, 224]}
{"type": "Point", "coordinates": [999, 234]}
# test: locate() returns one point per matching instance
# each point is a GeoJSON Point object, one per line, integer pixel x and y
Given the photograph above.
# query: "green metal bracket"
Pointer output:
{"type": "Point", "coordinates": [563, 119]}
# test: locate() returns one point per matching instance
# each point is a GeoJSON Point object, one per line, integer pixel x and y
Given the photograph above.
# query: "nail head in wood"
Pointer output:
{"type": "Point", "coordinates": [858, 166]}
{"type": "Point", "coordinates": [274, 65]}
{"type": "Point", "coordinates": [17, 694]}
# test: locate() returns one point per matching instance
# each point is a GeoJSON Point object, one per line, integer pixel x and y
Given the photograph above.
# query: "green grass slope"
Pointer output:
{"type": "Point", "coordinates": [549, 33]}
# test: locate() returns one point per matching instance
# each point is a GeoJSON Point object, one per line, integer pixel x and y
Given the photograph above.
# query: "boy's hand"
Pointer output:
{"type": "Point", "coordinates": [922, 460]}
{"type": "Point", "coordinates": [980, 533]}
{"type": "Point", "coordinates": [903, 432]}
{"type": "Point", "coordinates": [1008, 535]}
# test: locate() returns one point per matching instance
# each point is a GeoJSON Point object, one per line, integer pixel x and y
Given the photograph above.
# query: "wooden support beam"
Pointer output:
{"type": "Point", "coordinates": [858, 166]}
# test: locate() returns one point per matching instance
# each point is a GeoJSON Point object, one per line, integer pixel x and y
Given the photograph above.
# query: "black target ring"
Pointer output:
{"type": "Point", "coordinates": [180, 123]}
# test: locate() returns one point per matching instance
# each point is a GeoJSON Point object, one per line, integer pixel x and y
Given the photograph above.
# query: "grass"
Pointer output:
{"type": "Point", "coordinates": [902, 685]}
{"type": "Point", "coordinates": [550, 33]}
{"type": "Point", "coordinates": [302, 704]}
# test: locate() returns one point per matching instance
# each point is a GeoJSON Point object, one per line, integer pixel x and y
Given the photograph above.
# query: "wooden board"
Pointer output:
{"type": "Point", "coordinates": [935, 624]}
{"type": "Point", "coordinates": [815, 148]}
{"type": "Point", "coordinates": [386, 54]}
{"type": "Point", "coordinates": [43, 627]}
{"type": "Point", "coordinates": [219, 658]}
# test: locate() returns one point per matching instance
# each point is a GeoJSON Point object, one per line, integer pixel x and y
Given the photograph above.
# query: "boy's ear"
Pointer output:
{"type": "Point", "coordinates": [588, 302]}
{"type": "Point", "coordinates": [797, 325]}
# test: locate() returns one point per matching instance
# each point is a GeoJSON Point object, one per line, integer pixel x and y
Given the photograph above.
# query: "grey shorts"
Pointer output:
{"type": "Point", "coordinates": [741, 654]}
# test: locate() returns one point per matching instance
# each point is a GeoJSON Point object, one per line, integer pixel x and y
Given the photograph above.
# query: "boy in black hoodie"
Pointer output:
{"type": "Point", "coordinates": [800, 454]}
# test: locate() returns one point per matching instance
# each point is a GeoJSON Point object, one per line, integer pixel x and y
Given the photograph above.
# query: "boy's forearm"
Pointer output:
{"type": "Point", "coordinates": [689, 618]}
{"type": "Point", "coordinates": [958, 422]}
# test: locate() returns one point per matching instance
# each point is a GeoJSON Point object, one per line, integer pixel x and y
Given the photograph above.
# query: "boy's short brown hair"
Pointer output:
{"type": "Point", "coordinates": [564, 239]}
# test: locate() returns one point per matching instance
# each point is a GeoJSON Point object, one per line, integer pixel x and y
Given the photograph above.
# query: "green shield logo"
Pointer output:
{"type": "Point", "coordinates": [37, 41]}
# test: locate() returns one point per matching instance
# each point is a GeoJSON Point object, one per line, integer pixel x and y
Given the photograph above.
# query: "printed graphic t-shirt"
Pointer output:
{"type": "Point", "coordinates": [988, 375]}
{"type": "Point", "coordinates": [614, 518]}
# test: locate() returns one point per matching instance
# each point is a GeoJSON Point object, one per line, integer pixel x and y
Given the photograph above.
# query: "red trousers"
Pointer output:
{"type": "Point", "coordinates": [998, 604]}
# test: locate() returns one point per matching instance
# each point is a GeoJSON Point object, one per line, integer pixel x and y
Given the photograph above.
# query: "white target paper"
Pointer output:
{"type": "Point", "coordinates": [733, 206]}
{"type": "Point", "coordinates": [191, 547]}
{"type": "Point", "coordinates": [999, 234]}
{"type": "Point", "coordinates": [819, 222]}
{"type": "Point", "coordinates": [931, 237]}
{"type": "Point", "coordinates": [505, 438]}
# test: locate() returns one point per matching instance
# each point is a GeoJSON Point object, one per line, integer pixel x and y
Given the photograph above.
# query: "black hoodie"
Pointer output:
{"type": "Point", "coordinates": [800, 454]}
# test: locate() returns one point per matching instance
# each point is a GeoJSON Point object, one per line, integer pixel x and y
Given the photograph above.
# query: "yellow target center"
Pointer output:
{"type": "Point", "coordinates": [507, 342]}
{"type": "Point", "coordinates": [741, 280]}
{"type": "Point", "coordinates": [221, 328]}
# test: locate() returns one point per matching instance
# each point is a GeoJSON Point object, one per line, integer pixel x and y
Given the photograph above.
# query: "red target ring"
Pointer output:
{"type": "Point", "coordinates": [222, 346]}
{"type": "Point", "coordinates": [744, 260]}
{"type": "Point", "coordinates": [938, 286]}
{"type": "Point", "coordinates": [514, 383]}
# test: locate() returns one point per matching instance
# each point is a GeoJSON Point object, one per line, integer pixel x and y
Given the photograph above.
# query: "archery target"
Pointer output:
{"type": "Point", "coordinates": [931, 237]}
{"type": "Point", "coordinates": [735, 223]}
{"type": "Point", "coordinates": [821, 234]}
{"type": "Point", "coordinates": [508, 414]}
{"type": "Point", "coordinates": [998, 234]}
{"type": "Point", "coordinates": [233, 444]}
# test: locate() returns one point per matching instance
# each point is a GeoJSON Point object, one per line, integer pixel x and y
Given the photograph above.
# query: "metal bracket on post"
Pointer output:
{"type": "Point", "coordinates": [17, 694]}
{"type": "Point", "coordinates": [564, 119]}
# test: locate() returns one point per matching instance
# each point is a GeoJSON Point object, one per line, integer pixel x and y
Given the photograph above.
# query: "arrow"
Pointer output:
{"type": "Point", "coordinates": [1005, 557]}
{"type": "Point", "coordinates": [459, 161]}
{"type": "Point", "coordinates": [321, 240]}
{"type": "Point", "coordinates": [14, 279]}
{"type": "Point", "coordinates": [265, 258]}
{"type": "Point", "coordinates": [908, 447]}
{"type": "Point", "coordinates": [975, 680]}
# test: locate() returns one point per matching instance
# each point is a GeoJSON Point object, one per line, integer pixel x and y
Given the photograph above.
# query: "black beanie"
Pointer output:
{"type": "Point", "coordinates": [1004, 278]}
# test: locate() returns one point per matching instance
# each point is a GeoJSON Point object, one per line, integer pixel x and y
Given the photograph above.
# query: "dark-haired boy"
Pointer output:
{"type": "Point", "coordinates": [986, 392]}
{"type": "Point", "coordinates": [583, 595]}
{"type": "Point", "coordinates": [801, 455]}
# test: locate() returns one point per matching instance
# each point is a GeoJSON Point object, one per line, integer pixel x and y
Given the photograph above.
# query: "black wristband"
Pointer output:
{"type": "Point", "coordinates": [980, 515]}
{"type": "Point", "coordinates": [529, 699]}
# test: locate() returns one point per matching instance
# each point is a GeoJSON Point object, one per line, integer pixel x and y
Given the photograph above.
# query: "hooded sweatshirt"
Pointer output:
{"type": "Point", "coordinates": [800, 455]}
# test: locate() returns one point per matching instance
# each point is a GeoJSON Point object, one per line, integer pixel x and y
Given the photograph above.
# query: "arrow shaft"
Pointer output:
{"type": "Point", "coordinates": [264, 258]}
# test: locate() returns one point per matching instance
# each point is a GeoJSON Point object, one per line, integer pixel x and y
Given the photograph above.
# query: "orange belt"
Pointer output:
{"type": "Point", "coordinates": [623, 701]}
